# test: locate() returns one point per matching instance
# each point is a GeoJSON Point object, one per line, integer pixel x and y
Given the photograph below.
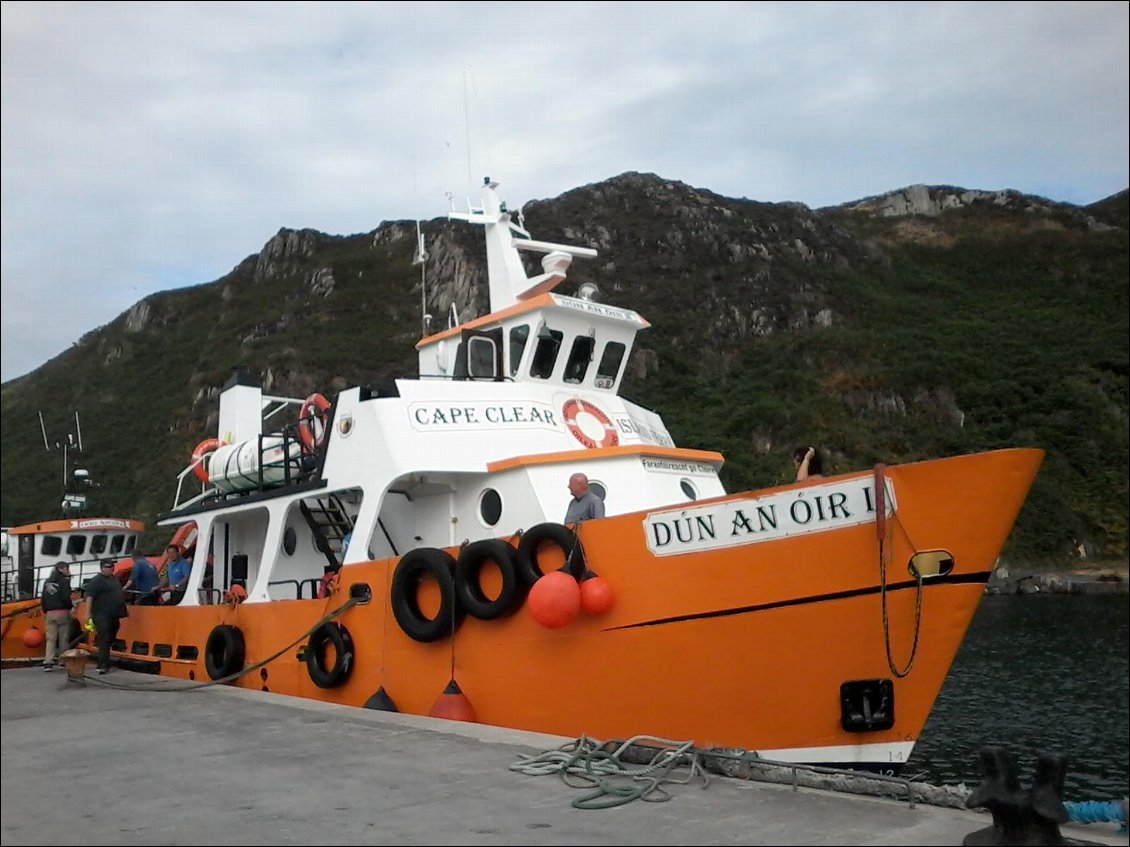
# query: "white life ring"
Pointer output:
{"type": "Point", "coordinates": [312, 421]}
{"type": "Point", "coordinates": [571, 408]}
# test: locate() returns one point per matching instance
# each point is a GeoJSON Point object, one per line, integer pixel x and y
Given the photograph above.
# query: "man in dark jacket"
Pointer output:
{"type": "Point", "coordinates": [56, 602]}
{"type": "Point", "coordinates": [105, 606]}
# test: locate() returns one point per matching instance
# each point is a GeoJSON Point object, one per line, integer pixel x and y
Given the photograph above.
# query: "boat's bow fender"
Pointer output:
{"type": "Point", "coordinates": [224, 651]}
{"type": "Point", "coordinates": [555, 534]}
{"type": "Point", "coordinates": [326, 675]}
{"type": "Point", "coordinates": [468, 586]}
{"type": "Point", "coordinates": [412, 567]}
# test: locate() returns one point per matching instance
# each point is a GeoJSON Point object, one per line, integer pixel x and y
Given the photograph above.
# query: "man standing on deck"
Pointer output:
{"type": "Point", "coordinates": [143, 580]}
{"type": "Point", "coordinates": [105, 608]}
{"type": "Point", "coordinates": [585, 504]}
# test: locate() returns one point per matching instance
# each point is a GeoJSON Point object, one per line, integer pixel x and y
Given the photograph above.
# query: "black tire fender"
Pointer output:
{"type": "Point", "coordinates": [224, 652]}
{"type": "Point", "coordinates": [468, 588]}
{"type": "Point", "coordinates": [549, 533]}
{"type": "Point", "coordinates": [333, 675]}
{"type": "Point", "coordinates": [412, 567]}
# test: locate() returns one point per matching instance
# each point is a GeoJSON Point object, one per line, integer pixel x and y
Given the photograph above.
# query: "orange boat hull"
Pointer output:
{"type": "Point", "coordinates": [744, 644]}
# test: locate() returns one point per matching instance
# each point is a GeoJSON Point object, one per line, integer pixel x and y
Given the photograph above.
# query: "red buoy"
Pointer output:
{"type": "Point", "coordinates": [554, 600]}
{"type": "Point", "coordinates": [33, 637]}
{"type": "Point", "coordinates": [597, 596]}
{"type": "Point", "coordinates": [453, 705]}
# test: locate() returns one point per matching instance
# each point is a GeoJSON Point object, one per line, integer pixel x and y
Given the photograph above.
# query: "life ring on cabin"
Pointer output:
{"type": "Point", "coordinates": [312, 421]}
{"type": "Point", "coordinates": [205, 447]}
{"type": "Point", "coordinates": [224, 652]}
{"type": "Point", "coordinates": [184, 537]}
{"type": "Point", "coordinates": [468, 587]}
{"type": "Point", "coordinates": [571, 408]}
{"type": "Point", "coordinates": [321, 674]}
{"type": "Point", "coordinates": [549, 533]}
{"type": "Point", "coordinates": [410, 570]}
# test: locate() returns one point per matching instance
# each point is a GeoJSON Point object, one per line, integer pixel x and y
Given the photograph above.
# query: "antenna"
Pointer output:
{"type": "Point", "coordinates": [43, 429]}
{"type": "Point", "coordinates": [78, 429]}
{"type": "Point", "coordinates": [421, 259]}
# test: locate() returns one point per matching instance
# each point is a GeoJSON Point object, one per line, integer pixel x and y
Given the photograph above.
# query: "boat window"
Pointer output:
{"type": "Point", "coordinates": [98, 544]}
{"type": "Point", "coordinates": [598, 489]}
{"type": "Point", "coordinates": [609, 364]}
{"type": "Point", "coordinates": [290, 541]}
{"type": "Point", "coordinates": [688, 489]}
{"type": "Point", "coordinates": [116, 543]}
{"type": "Point", "coordinates": [481, 355]}
{"type": "Point", "coordinates": [76, 545]}
{"type": "Point", "coordinates": [52, 545]}
{"type": "Point", "coordinates": [579, 358]}
{"type": "Point", "coordinates": [490, 507]}
{"type": "Point", "coordinates": [519, 335]}
{"type": "Point", "coordinates": [545, 354]}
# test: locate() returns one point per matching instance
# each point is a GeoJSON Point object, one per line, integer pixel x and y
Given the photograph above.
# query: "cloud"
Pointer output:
{"type": "Point", "coordinates": [154, 146]}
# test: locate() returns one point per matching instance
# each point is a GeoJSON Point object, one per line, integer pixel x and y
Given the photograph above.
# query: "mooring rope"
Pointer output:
{"type": "Point", "coordinates": [588, 763]}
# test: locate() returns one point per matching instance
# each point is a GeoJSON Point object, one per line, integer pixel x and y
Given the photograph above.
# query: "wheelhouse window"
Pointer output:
{"type": "Point", "coordinates": [52, 545]}
{"type": "Point", "coordinates": [609, 366]}
{"type": "Point", "coordinates": [76, 545]}
{"type": "Point", "coordinates": [519, 335]}
{"type": "Point", "coordinates": [545, 354]}
{"type": "Point", "coordinates": [98, 545]}
{"type": "Point", "coordinates": [481, 357]}
{"type": "Point", "coordinates": [116, 543]}
{"type": "Point", "coordinates": [579, 358]}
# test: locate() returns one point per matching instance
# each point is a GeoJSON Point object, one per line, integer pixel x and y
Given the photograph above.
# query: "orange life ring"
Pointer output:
{"type": "Point", "coordinates": [208, 445]}
{"type": "Point", "coordinates": [311, 421]}
{"type": "Point", "coordinates": [184, 537]}
{"type": "Point", "coordinates": [571, 408]}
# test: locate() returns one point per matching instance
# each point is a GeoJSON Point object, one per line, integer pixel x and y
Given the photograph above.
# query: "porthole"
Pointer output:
{"type": "Point", "coordinates": [290, 541]}
{"type": "Point", "coordinates": [490, 507]}
{"type": "Point", "coordinates": [598, 489]}
{"type": "Point", "coordinates": [688, 489]}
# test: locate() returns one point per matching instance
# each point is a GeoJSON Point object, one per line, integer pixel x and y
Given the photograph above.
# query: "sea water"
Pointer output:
{"type": "Point", "coordinates": [1037, 673]}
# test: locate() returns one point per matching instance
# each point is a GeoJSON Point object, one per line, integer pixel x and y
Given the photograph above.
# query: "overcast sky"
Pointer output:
{"type": "Point", "coordinates": [150, 146]}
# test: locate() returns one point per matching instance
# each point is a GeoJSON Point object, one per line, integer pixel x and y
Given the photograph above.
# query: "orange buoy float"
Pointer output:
{"type": "Point", "coordinates": [312, 422]}
{"type": "Point", "coordinates": [235, 595]}
{"type": "Point", "coordinates": [554, 600]}
{"type": "Point", "coordinates": [453, 705]}
{"type": "Point", "coordinates": [597, 596]}
{"type": "Point", "coordinates": [208, 445]}
{"type": "Point", "coordinates": [32, 637]}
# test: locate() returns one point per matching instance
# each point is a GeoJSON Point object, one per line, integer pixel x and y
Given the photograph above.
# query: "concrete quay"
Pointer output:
{"type": "Point", "coordinates": [115, 760]}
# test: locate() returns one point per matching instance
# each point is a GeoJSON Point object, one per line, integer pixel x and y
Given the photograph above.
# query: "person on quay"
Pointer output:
{"type": "Point", "coordinates": [585, 505]}
{"type": "Point", "coordinates": [55, 599]}
{"type": "Point", "coordinates": [809, 464]}
{"type": "Point", "coordinates": [177, 572]}
{"type": "Point", "coordinates": [143, 580]}
{"type": "Point", "coordinates": [105, 608]}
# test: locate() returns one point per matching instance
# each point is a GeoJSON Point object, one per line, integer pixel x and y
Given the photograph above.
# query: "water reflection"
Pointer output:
{"type": "Point", "coordinates": [1037, 674]}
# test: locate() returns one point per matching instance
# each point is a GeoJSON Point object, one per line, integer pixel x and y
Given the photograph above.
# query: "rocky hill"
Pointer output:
{"type": "Point", "coordinates": [923, 322]}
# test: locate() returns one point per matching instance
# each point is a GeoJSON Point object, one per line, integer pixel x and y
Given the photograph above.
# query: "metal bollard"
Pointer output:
{"type": "Point", "coordinates": [1021, 816]}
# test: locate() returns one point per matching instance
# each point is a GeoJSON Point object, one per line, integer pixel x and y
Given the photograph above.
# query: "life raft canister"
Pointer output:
{"type": "Point", "coordinates": [570, 409]}
{"type": "Point", "coordinates": [312, 421]}
{"type": "Point", "coordinates": [199, 467]}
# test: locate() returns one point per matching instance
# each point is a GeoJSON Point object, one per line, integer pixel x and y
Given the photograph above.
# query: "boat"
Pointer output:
{"type": "Point", "coordinates": [401, 547]}
{"type": "Point", "coordinates": [29, 553]}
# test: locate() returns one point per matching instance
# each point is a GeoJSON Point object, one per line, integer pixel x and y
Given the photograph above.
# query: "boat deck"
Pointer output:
{"type": "Point", "coordinates": [114, 761]}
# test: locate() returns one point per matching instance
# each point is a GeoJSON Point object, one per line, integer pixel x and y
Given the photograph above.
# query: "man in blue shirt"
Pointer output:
{"type": "Point", "coordinates": [176, 571]}
{"type": "Point", "coordinates": [143, 580]}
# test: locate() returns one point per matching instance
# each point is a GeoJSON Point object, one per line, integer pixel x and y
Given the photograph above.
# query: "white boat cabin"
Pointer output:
{"type": "Point", "coordinates": [481, 444]}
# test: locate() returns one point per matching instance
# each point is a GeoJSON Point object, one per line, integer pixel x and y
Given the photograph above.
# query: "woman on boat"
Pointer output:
{"type": "Point", "coordinates": [808, 463]}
